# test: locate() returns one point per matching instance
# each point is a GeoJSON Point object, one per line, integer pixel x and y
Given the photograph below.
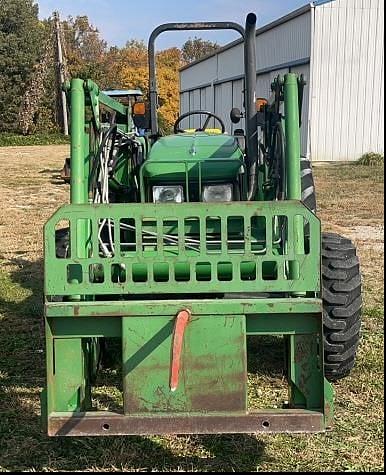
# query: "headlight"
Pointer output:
{"type": "Point", "coordinates": [217, 193]}
{"type": "Point", "coordinates": [168, 194]}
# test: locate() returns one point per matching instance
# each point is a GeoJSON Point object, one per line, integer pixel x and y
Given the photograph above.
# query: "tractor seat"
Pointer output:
{"type": "Point", "coordinates": [207, 131]}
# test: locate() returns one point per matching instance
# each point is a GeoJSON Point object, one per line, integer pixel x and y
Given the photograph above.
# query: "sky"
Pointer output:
{"type": "Point", "coordinates": [121, 20]}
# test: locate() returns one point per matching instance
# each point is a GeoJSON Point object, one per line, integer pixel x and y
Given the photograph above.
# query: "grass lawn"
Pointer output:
{"type": "Point", "coordinates": [350, 202]}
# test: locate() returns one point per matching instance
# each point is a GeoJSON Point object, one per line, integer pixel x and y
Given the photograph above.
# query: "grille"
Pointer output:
{"type": "Point", "coordinates": [185, 248]}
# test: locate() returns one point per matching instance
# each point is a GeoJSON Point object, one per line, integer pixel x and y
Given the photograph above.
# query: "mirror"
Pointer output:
{"type": "Point", "coordinates": [236, 115]}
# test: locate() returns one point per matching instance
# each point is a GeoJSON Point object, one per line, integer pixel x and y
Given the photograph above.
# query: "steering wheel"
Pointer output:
{"type": "Point", "coordinates": [178, 130]}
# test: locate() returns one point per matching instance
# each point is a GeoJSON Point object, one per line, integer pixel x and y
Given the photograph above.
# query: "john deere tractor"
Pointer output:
{"type": "Point", "coordinates": [182, 247]}
{"type": "Point", "coordinates": [127, 97]}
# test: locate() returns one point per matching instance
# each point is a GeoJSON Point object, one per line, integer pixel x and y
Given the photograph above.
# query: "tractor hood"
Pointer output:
{"type": "Point", "coordinates": [216, 157]}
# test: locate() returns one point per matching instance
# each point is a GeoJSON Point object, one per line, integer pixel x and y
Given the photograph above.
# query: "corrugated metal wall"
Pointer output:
{"type": "Point", "coordinates": [343, 115]}
{"type": "Point", "coordinates": [220, 81]}
{"type": "Point", "coordinates": [347, 105]}
{"type": "Point", "coordinates": [199, 74]}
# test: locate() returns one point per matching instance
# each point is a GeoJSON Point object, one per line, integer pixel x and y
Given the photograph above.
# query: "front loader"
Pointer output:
{"type": "Point", "coordinates": [182, 247]}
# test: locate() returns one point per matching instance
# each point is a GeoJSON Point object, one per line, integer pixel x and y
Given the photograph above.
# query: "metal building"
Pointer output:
{"type": "Point", "coordinates": [338, 45]}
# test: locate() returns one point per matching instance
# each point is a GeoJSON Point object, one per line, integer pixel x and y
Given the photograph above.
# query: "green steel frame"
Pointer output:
{"type": "Point", "coordinates": [171, 263]}
{"type": "Point", "coordinates": [231, 291]}
{"type": "Point", "coordinates": [203, 404]}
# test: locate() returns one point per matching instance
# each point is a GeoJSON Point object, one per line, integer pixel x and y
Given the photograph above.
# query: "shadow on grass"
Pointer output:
{"type": "Point", "coordinates": [24, 446]}
{"type": "Point", "coordinates": [49, 171]}
{"type": "Point", "coordinates": [55, 178]}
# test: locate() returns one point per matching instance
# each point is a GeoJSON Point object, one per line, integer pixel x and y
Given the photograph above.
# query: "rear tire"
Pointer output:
{"type": "Point", "coordinates": [308, 184]}
{"type": "Point", "coordinates": [342, 299]}
{"type": "Point", "coordinates": [62, 239]}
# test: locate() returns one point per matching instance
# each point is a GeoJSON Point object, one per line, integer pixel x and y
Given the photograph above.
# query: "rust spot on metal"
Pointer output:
{"type": "Point", "coordinates": [131, 403]}
{"type": "Point", "coordinates": [105, 424]}
{"type": "Point", "coordinates": [229, 402]}
{"type": "Point", "coordinates": [76, 310]}
{"type": "Point", "coordinates": [328, 416]}
{"type": "Point", "coordinates": [302, 352]}
{"type": "Point", "coordinates": [111, 314]}
{"type": "Point", "coordinates": [327, 410]}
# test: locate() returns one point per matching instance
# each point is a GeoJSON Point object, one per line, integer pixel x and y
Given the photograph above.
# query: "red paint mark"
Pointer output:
{"type": "Point", "coordinates": [182, 321]}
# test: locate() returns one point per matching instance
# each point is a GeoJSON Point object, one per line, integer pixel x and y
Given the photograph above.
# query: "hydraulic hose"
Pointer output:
{"type": "Point", "coordinates": [96, 162]}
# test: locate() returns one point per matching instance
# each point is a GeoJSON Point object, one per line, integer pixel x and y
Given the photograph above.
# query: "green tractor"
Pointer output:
{"type": "Point", "coordinates": [127, 97]}
{"type": "Point", "coordinates": [182, 247]}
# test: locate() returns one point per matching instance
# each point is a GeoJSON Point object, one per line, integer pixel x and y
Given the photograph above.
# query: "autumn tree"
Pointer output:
{"type": "Point", "coordinates": [20, 43]}
{"type": "Point", "coordinates": [84, 49]}
{"type": "Point", "coordinates": [111, 65]}
{"type": "Point", "coordinates": [28, 66]}
{"type": "Point", "coordinates": [197, 48]}
{"type": "Point", "coordinates": [135, 74]}
{"type": "Point", "coordinates": [135, 53]}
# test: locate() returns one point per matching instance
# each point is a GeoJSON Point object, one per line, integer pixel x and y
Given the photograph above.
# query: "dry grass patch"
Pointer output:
{"type": "Point", "coordinates": [30, 191]}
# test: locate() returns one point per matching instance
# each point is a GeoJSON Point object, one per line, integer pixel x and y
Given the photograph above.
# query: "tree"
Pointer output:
{"type": "Point", "coordinates": [21, 35]}
{"type": "Point", "coordinates": [134, 74]}
{"type": "Point", "coordinates": [28, 74]}
{"type": "Point", "coordinates": [197, 48]}
{"type": "Point", "coordinates": [85, 49]}
{"type": "Point", "coordinates": [38, 108]}
{"type": "Point", "coordinates": [135, 53]}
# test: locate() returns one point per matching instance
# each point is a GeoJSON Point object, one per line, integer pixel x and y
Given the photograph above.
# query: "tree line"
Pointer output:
{"type": "Point", "coordinates": [28, 66]}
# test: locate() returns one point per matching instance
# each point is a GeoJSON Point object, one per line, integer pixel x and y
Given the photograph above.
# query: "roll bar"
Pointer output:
{"type": "Point", "coordinates": [249, 35]}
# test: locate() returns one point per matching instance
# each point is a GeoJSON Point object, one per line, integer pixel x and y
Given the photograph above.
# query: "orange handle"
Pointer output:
{"type": "Point", "coordinates": [182, 321]}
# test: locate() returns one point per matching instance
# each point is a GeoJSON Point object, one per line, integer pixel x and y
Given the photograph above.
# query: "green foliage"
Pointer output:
{"type": "Point", "coordinates": [372, 160]}
{"type": "Point", "coordinates": [13, 140]}
{"type": "Point", "coordinates": [38, 109]}
{"type": "Point", "coordinates": [197, 48]}
{"type": "Point", "coordinates": [21, 35]}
